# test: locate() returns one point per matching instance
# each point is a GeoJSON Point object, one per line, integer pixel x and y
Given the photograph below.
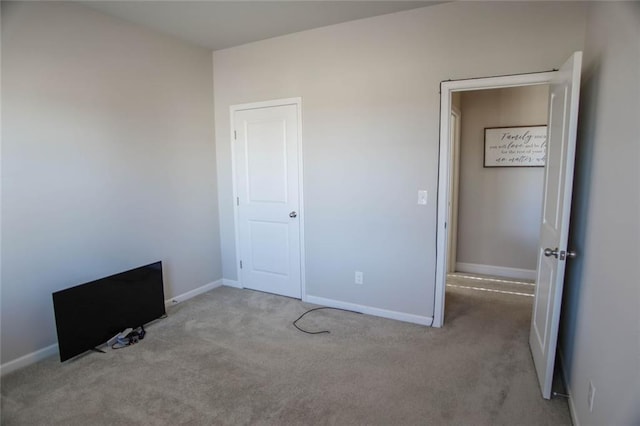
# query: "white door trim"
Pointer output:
{"type": "Point", "coordinates": [446, 89]}
{"type": "Point", "coordinates": [454, 187]}
{"type": "Point", "coordinates": [266, 104]}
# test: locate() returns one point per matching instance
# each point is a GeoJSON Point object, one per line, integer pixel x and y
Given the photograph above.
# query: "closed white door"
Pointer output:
{"type": "Point", "coordinates": [266, 145]}
{"type": "Point", "coordinates": [556, 209]}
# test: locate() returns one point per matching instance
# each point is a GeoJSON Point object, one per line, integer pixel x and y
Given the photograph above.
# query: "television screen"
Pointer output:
{"type": "Point", "coordinates": [89, 314]}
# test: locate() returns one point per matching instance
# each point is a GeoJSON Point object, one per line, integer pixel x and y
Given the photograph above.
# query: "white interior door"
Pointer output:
{"type": "Point", "coordinates": [552, 250]}
{"type": "Point", "coordinates": [266, 149]}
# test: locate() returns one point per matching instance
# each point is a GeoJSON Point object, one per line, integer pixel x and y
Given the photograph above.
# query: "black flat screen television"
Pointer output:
{"type": "Point", "coordinates": [89, 314]}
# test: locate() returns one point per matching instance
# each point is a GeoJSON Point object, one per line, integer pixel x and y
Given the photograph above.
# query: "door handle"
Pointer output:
{"type": "Point", "coordinates": [571, 254]}
{"type": "Point", "coordinates": [293, 214]}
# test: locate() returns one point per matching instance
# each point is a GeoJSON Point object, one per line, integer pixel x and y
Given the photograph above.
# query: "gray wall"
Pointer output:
{"type": "Point", "coordinates": [499, 208]}
{"type": "Point", "coordinates": [600, 326]}
{"type": "Point", "coordinates": [108, 161]}
{"type": "Point", "coordinates": [370, 107]}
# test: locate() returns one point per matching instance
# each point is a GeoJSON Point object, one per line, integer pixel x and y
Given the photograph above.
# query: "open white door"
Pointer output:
{"type": "Point", "coordinates": [552, 251]}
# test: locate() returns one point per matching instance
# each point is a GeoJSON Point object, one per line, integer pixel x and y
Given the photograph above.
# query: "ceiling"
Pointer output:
{"type": "Point", "coordinates": [221, 24]}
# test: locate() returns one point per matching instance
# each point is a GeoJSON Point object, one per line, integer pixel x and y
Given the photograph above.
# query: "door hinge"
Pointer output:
{"type": "Point", "coordinates": [241, 264]}
{"type": "Point", "coordinates": [235, 135]}
{"type": "Point", "coordinates": [237, 201]}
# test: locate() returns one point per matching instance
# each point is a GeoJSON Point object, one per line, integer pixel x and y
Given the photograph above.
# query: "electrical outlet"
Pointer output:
{"type": "Point", "coordinates": [359, 277]}
{"type": "Point", "coordinates": [591, 395]}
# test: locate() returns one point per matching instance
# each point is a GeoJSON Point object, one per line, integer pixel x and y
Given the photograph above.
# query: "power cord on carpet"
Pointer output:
{"type": "Point", "coordinates": [317, 309]}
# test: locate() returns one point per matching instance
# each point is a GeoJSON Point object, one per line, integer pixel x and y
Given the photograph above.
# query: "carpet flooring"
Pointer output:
{"type": "Point", "coordinates": [233, 357]}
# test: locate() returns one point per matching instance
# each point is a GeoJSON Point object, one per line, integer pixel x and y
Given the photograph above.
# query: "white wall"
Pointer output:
{"type": "Point", "coordinates": [370, 107]}
{"type": "Point", "coordinates": [108, 161]}
{"type": "Point", "coordinates": [499, 208]}
{"type": "Point", "coordinates": [600, 328]}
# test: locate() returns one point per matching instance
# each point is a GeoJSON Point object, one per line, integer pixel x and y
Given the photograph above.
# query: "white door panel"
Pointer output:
{"type": "Point", "coordinates": [554, 230]}
{"type": "Point", "coordinates": [266, 167]}
{"type": "Point", "coordinates": [269, 247]}
{"type": "Point", "coordinates": [545, 273]}
{"type": "Point", "coordinates": [266, 161]}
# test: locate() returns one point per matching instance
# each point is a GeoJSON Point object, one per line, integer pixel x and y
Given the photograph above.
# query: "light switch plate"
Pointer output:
{"type": "Point", "coordinates": [422, 197]}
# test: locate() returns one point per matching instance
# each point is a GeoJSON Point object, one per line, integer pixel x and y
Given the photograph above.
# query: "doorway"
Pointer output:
{"type": "Point", "coordinates": [495, 210]}
{"type": "Point", "coordinates": [552, 247]}
{"type": "Point", "coordinates": [267, 170]}
{"type": "Point", "coordinates": [444, 209]}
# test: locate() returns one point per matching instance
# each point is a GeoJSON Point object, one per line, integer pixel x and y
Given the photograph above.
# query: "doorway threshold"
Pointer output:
{"type": "Point", "coordinates": [474, 282]}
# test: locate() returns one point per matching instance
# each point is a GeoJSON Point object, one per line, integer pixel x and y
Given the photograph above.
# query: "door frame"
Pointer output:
{"type": "Point", "coordinates": [257, 105]}
{"type": "Point", "coordinates": [445, 163]}
{"type": "Point", "coordinates": [454, 194]}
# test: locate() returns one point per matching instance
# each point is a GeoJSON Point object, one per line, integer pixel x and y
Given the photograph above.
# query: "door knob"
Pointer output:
{"type": "Point", "coordinates": [293, 214]}
{"type": "Point", "coordinates": [561, 253]}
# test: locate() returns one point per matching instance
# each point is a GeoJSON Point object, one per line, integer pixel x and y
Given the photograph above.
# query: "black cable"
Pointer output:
{"type": "Point", "coordinates": [317, 309]}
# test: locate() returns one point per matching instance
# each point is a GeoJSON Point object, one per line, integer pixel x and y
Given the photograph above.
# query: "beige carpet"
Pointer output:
{"type": "Point", "coordinates": [232, 357]}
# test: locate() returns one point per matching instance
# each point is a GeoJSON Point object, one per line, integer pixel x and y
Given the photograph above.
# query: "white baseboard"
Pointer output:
{"type": "Point", "coordinates": [192, 293]}
{"type": "Point", "coordinates": [500, 271]}
{"type": "Point", "coordinates": [28, 359]}
{"type": "Point", "coordinates": [572, 406]}
{"type": "Point", "coordinates": [400, 316]}
{"type": "Point", "coordinates": [231, 283]}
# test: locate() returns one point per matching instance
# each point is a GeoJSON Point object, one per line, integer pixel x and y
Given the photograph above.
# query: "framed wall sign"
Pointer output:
{"type": "Point", "coordinates": [515, 146]}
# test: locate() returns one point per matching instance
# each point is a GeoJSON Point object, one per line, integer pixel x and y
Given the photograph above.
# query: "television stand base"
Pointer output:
{"type": "Point", "coordinates": [98, 350]}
